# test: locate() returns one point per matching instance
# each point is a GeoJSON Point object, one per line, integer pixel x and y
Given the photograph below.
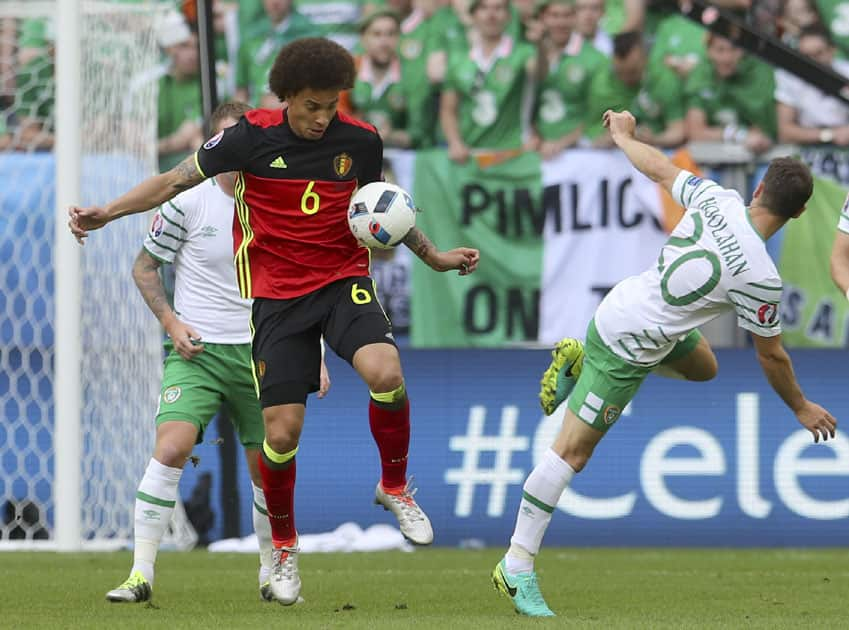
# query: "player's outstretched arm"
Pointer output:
{"type": "Point", "coordinates": [464, 259]}
{"type": "Point", "coordinates": [776, 365]}
{"type": "Point", "coordinates": [146, 277]}
{"type": "Point", "coordinates": [152, 192]}
{"type": "Point", "coordinates": [840, 262]}
{"type": "Point", "coordinates": [646, 159]}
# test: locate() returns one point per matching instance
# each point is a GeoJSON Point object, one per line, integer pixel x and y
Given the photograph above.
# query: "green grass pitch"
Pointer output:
{"type": "Point", "coordinates": [440, 588]}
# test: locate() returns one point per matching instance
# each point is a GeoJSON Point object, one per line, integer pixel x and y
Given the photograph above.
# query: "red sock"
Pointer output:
{"type": "Point", "coordinates": [391, 431]}
{"type": "Point", "coordinates": [278, 485]}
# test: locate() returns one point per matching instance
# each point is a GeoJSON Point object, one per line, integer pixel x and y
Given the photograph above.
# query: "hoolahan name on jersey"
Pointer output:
{"type": "Point", "coordinates": [726, 241]}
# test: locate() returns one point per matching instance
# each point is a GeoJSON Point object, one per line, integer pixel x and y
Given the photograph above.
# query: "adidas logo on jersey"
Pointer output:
{"type": "Point", "coordinates": [279, 162]}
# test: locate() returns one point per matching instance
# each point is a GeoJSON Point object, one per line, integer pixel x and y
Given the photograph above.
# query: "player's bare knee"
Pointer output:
{"type": "Point", "coordinates": [282, 431]}
{"type": "Point", "coordinates": [282, 439]}
{"type": "Point", "coordinates": [574, 453]}
{"type": "Point", "coordinates": [175, 440]}
{"type": "Point", "coordinates": [577, 458]}
{"type": "Point", "coordinates": [385, 380]}
{"type": "Point", "coordinates": [171, 454]}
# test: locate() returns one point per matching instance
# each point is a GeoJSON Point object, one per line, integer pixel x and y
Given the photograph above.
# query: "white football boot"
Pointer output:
{"type": "Point", "coordinates": [414, 523]}
{"type": "Point", "coordinates": [285, 582]}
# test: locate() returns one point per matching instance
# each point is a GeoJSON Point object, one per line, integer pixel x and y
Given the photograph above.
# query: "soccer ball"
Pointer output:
{"type": "Point", "coordinates": [381, 215]}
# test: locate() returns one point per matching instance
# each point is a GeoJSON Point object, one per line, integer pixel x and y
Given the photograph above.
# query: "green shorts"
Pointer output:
{"type": "Point", "coordinates": [607, 382]}
{"type": "Point", "coordinates": [193, 391]}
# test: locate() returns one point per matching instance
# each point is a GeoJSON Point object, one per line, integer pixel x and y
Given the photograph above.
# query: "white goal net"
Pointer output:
{"type": "Point", "coordinates": [121, 341]}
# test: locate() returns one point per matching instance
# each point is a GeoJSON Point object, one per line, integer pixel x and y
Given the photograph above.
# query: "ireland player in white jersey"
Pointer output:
{"type": "Point", "coordinates": [208, 365]}
{"type": "Point", "coordinates": [714, 262]}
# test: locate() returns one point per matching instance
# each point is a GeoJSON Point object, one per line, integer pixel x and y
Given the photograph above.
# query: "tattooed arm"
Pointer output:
{"type": "Point", "coordinates": [146, 276]}
{"type": "Point", "coordinates": [420, 245]}
{"type": "Point", "coordinates": [464, 259]}
{"type": "Point", "coordinates": [152, 192]}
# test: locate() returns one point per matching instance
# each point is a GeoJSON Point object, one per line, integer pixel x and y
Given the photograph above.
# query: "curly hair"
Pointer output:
{"type": "Point", "coordinates": [311, 63]}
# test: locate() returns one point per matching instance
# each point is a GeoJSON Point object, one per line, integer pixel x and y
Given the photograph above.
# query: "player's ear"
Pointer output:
{"type": "Point", "coordinates": [758, 190]}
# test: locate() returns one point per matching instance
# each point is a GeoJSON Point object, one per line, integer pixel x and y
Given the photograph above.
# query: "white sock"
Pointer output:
{"type": "Point", "coordinates": [540, 495]}
{"type": "Point", "coordinates": [262, 527]}
{"type": "Point", "coordinates": [155, 501]}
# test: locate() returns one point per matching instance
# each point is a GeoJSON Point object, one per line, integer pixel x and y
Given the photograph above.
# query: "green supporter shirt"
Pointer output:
{"type": "Point", "coordinates": [178, 101]}
{"type": "Point", "coordinates": [655, 103]}
{"type": "Point", "coordinates": [747, 98]}
{"type": "Point", "coordinates": [490, 103]}
{"type": "Point", "coordinates": [562, 95]}
{"type": "Point", "coordinates": [33, 33]}
{"type": "Point", "coordinates": [679, 39]}
{"type": "Point", "coordinates": [336, 19]}
{"type": "Point", "coordinates": [381, 103]}
{"type": "Point", "coordinates": [835, 16]}
{"type": "Point", "coordinates": [251, 12]}
{"type": "Point", "coordinates": [260, 46]}
{"type": "Point", "coordinates": [450, 34]}
{"type": "Point", "coordinates": [418, 40]}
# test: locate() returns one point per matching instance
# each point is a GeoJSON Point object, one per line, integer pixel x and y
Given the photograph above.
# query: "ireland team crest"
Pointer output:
{"type": "Point", "coordinates": [611, 414]}
{"type": "Point", "coordinates": [411, 48]}
{"type": "Point", "coordinates": [172, 394]}
{"type": "Point", "coordinates": [342, 164]}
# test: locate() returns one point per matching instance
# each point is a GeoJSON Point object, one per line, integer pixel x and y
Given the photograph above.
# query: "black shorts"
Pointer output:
{"type": "Point", "coordinates": [285, 347]}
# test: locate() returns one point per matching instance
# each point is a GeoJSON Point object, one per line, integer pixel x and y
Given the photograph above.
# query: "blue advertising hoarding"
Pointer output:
{"type": "Point", "coordinates": [688, 464]}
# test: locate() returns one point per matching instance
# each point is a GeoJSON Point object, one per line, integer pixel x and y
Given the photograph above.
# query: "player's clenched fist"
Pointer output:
{"type": "Point", "coordinates": [463, 259]}
{"type": "Point", "coordinates": [622, 123]}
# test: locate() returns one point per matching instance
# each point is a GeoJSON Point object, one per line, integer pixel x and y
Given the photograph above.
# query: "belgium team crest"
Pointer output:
{"type": "Point", "coordinates": [342, 164]}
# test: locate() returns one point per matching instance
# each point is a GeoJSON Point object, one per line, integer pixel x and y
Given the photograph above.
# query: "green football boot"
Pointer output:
{"type": "Point", "coordinates": [135, 589]}
{"type": "Point", "coordinates": [522, 589]}
{"type": "Point", "coordinates": [559, 379]}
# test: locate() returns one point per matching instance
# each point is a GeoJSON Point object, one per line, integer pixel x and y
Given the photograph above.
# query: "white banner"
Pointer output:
{"type": "Point", "coordinates": [603, 224]}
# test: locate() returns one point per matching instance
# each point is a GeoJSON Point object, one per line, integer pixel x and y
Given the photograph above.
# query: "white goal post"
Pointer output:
{"type": "Point", "coordinates": [80, 354]}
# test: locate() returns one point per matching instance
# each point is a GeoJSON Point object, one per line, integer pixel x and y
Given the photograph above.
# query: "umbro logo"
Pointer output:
{"type": "Point", "coordinates": [151, 515]}
{"type": "Point", "coordinates": [279, 162]}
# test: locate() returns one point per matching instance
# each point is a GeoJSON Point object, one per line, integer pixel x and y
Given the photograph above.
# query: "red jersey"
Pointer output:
{"type": "Point", "coordinates": [290, 228]}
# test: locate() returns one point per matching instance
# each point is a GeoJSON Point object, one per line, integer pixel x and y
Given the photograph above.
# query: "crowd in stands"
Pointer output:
{"type": "Point", "coordinates": [481, 76]}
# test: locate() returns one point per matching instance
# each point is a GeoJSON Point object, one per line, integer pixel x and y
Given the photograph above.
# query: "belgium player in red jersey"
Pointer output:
{"type": "Point", "coordinates": [295, 256]}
